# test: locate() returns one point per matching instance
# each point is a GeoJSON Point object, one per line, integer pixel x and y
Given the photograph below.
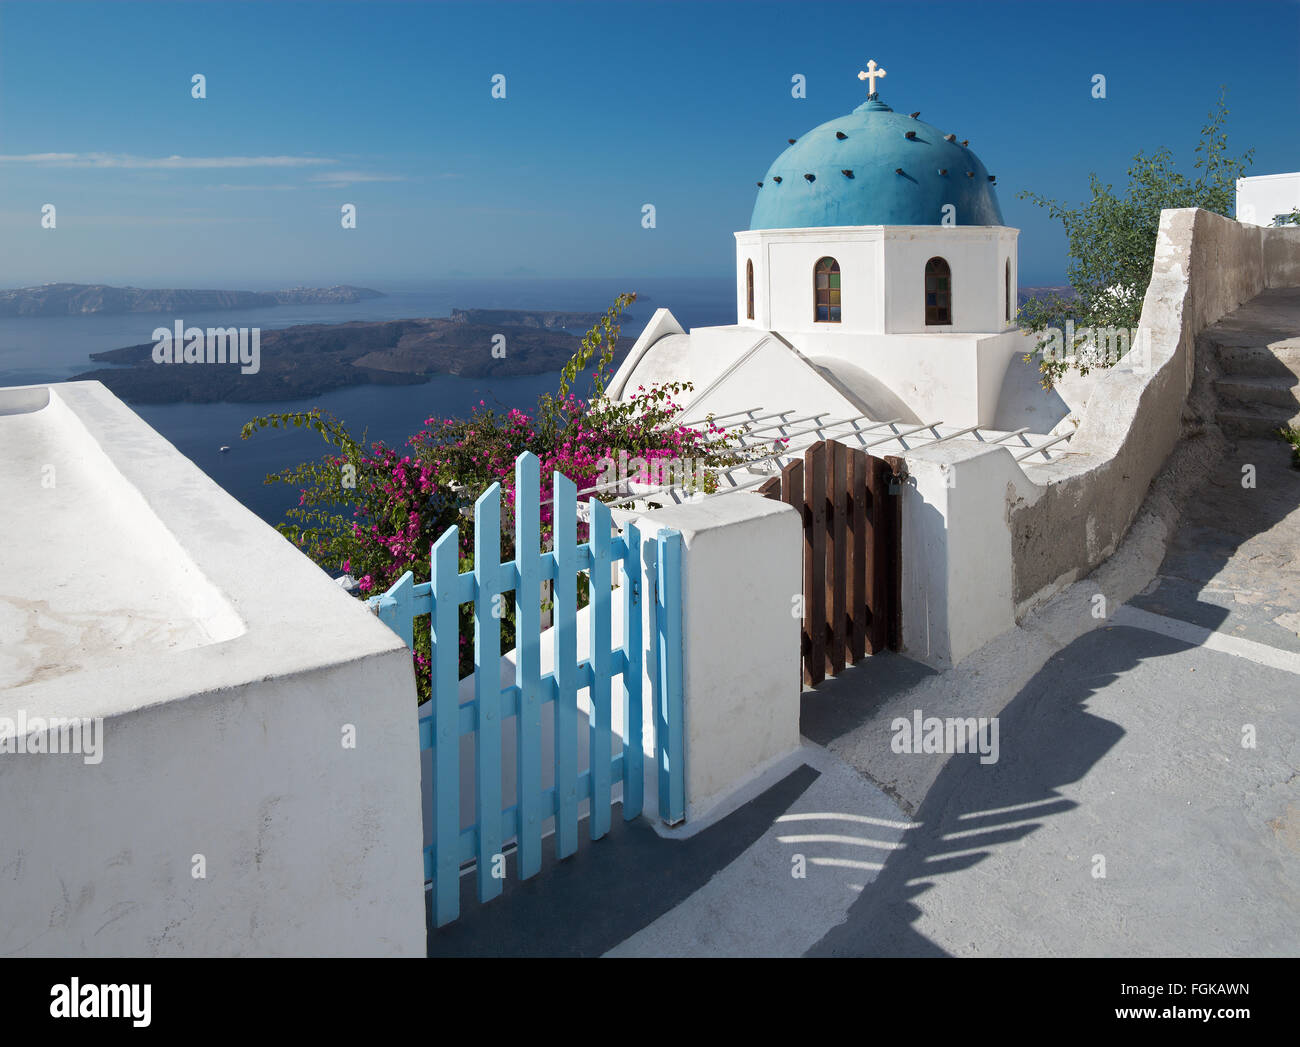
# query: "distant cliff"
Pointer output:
{"type": "Point", "coordinates": [78, 299]}
{"type": "Point", "coordinates": [310, 359]}
{"type": "Point", "coordinates": [1044, 291]}
{"type": "Point", "coordinates": [341, 294]}
{"type": "Point", "coordinates": [527, 318]}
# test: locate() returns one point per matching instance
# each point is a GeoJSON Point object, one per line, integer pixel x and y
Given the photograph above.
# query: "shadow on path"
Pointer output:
{"type": "Point", "coordinates": [1208, 579]}
{"type": "Point", "coordinates": [595, 899]}
{"type": "Point", "coordinates": [1048, 740]}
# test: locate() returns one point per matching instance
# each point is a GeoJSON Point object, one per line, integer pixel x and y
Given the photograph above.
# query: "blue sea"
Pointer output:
{"type": "Point", "coordinates": [53, 349]}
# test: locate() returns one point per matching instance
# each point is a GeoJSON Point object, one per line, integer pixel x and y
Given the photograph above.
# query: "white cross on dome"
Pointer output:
{"type": "Point", "coordinates": [871, 75]}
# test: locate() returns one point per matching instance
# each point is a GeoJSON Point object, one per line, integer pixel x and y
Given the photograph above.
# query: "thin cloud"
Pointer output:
{"type": "Point", "coordinates": [164, 221]}
{"type": "Point", "coordinates": [227, 187]}
{"type": "Point", "coordinates": [125, 161]}
{"type": "Point", "coordinates": [22, 220]}
{"type": "Point", "coordinates": [341, 179]}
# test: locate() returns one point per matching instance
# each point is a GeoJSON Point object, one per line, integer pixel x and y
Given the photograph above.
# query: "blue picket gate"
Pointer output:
{"type": "Point", "coordinates": [649, 570]}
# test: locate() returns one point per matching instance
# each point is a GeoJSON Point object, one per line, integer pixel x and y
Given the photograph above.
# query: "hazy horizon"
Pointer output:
{"type": "Point", "coordinates": [607, 107]}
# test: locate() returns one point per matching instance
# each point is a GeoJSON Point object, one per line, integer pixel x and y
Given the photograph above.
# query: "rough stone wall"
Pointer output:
{"type": "Point", "coordinates": [1205, 267]}
{"type": "Point", "coordinates": [1281, 256]}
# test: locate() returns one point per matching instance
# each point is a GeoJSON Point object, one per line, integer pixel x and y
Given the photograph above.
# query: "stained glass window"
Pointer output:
{"type": "Point", "coordinates": [938, 292]}
{"type": "Point", "coordinates": [826, 291]}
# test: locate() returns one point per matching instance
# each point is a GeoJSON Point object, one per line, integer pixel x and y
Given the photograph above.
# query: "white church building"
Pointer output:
{"type": "Point", "coordinates": [1268, 199]}
{"type": "Point", "coordinates": [876, 278]}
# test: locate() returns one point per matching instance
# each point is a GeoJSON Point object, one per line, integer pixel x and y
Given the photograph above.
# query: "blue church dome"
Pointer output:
{"type": "Point", "coordinates": [875, 167]}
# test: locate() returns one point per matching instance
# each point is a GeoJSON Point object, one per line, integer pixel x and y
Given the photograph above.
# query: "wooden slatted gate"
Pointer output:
{"type": "Point", "coordinates": [548, 788]}
{"type": "Point", "coordinates": [851, 511]}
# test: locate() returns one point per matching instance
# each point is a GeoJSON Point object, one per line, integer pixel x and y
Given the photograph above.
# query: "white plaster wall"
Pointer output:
{"type": "Point", "coordinates": [956, 552]}
{"type": "Point", "coordinates": [1022, 401]}
{"type": "Point", "coordinates": [994, 356]}
{"type": "Point", "coordinates": [784, 262]}
{"type": "Point", "coordinates": [1261, 197]}
{"type": "Point", "coordinates": [975, 255]}
{"type": "Point", "coordinates": [954, 378]}
{"type": "Point", "coordinates": [952, 373]}
{"type": "Point", "coordinates": [775, 378]}
{"type": "Point", "coordinates": [790, 286]}
{"type": "Point", "coordinates": [882, 276]}
{"type": "Point", "coordinates": [311, 849]}
{"type": "Point", "coordinates": [741, 569]}
{"type": "Point", "coordinates": [984, 542]}
{"type": "Point", "coordinates": [664, 353]}
{"type": "Point", "coordinates": [232, 749]}
{"type": "Point", "coordinates": [714, 350]}
{"type": "Point", "coordinates": [661, 325]}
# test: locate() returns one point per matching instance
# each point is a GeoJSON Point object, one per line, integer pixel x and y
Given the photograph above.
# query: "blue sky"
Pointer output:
{"type": "Point", "coordinates": [608, 106]}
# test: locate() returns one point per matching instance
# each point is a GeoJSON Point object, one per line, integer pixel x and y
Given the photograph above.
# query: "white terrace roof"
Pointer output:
{"type": "Point", "coordinates": [893, 436]}
{"type": "Point", "coordinates": [128, 577]}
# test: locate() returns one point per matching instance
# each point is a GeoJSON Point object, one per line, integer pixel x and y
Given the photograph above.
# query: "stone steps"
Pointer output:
{"type": "Point", "coordinates": [1260, 361]}
{"type": "Point", "coordinates": [1258, 387]}
{"type": "Point", "coordinates": [1252, 360]}
{"type": "Point", "coordinates": [1261, 422]}
{"type": "Point", "coordinates": [1242, 391]}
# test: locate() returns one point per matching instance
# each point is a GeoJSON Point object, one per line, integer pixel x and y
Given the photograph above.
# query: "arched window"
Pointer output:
{"type": "Point", "coordinates": [1008, 292]}
{"type": "Point", "coordinates": [938, 292]}
{"type": "Point", "coordinates": [749, 289]}
{"type": "Point", "coordinates": [826, 290]}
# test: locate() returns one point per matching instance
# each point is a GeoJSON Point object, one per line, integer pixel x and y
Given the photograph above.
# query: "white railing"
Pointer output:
{"type": "Point", "coordinates": [1031, 449]}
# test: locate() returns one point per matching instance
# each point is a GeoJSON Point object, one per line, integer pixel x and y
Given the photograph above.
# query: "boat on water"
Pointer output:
{"type": "Point", "coordinates": [223, 450]}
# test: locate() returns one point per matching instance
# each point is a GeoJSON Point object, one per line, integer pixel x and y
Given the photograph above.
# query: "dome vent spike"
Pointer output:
{"type": "Point", "coordinates": [916, 115]}
{"type": "Point", "coordinates": [811, 177]}
{"type": "Point", "coordinates": [993, 178]}
{"type": "Point", "coordinates": [898, 170]}
{"type": "Point", "coordinates": [846, 172]}
{"type": "Point", "coordinates": [841, 135]}
{"type": "Point", "coordinates": [910, 136]}
{"type": "Point", "coordinates": [760, 185]}
{"type": "Point", "coordinates": [950, 138]}
{"type": "Point", "coordinates": [943, 170]}
{"type": "Point", "coordinates": [965, 142]}
{"type": "Point", "coordinates": [970, 174]}
{"type": "Point", "coordinates": [776, 179]}
{"type": "Point", "coordinates": [790, 140]}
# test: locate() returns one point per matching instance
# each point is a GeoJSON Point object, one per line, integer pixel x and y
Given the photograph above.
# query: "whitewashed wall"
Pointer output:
{"type": "Point", "coordinates": [882, 275]}
{"type": "Point", "coordinates": [975, 255]}
{"type": "Point", "coordinates": [741, 572]}
{"type": "Point", "coordinates": [956, 551]}
{"type": "Point", "coordinates": [955, 378]}
{"type": "Point", "coordinates": [231, 747]}
{"type": "Point", "coordinates": [985, 542]}
{"type": "Point", "coordinates": [1261, 197]}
